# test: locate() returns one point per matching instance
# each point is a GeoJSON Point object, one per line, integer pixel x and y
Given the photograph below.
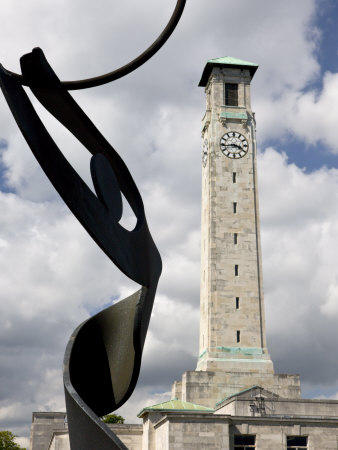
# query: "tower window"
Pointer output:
{"type": "Point", "coordinates": [236, 270]}
{"type": "Point", "coordinates": [234, 176]}
{"type": "Point", "coordinates": [237, 302]}
{"type": "Point", "coordinates": [231, 94]}
{"type": "Point", "coordinates": [296, 442]}
{"type": "Point", "coordinates": [235, 207]}
{"type": "Point", "coordinates": [238, 336]}
{"type": "Point", "coordinates": [244, 442]}
{"type": "Point", "coordinates": [235, 238]}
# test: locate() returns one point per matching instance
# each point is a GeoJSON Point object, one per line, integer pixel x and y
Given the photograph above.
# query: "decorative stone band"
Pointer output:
{"type": "Point", "coordinates": [235, 351]}
{"type": "Point", "coordinates": [233, 115]}
{"type": "Point", "coordinates": [241, 350]}
{"type": "Point", "coordinates": [242, 116]}
{"type": "Point", "coordinates": [235, 359]}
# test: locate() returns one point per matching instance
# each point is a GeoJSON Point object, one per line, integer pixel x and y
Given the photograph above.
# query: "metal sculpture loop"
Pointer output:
{"type": "Point", "coordinates": [103, 356]}
{"type": "Point", "coordinates": [128, 68]}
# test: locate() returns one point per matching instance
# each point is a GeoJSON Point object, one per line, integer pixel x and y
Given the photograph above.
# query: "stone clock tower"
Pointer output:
{"type": "Point", "coordinates": [232, 330]}
{"type": "Point", "coordinates": [233, 352]}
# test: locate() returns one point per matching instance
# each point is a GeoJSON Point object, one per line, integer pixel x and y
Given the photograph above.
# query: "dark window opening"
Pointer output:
{"type": "Point", "coordinates": [235, 238]}
{"type": "Point", "coordinates": [236, 270]}
{"type": "Point", "coordinates": [231, 94]}
{"type": "Point", "coordinates": [234, 175]}
{"type": "Point", "coordinates": [296, 442]}
{"type": "Point", "coordinates": [237, 302]}
{"type": "Point", "coordinates": [244, 442]}
{"type": "Point", "coordinates": [235, 207]}
{"type": "Point", "coordinates": [238, 336]}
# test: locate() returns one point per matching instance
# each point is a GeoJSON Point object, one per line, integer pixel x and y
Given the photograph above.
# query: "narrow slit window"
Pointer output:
{"type": "Point", "coordinates": [235, 238]}
{"type": "Point", "coordinates": [237, 302]}
{"type": "Point", "coordinates": [236, 270]}
{"type": "Point", "coordinates": [234, 177]}
{"type": "Point", "coordinates": [231, 94]}
{"type": "Point", "coordinates": [235, 207]}
{"type": "Point", "coordinates": [238, 336]}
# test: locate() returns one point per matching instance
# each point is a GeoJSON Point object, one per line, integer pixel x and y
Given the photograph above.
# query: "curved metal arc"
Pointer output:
{"type": "Point", "coordinates": [128, 68]}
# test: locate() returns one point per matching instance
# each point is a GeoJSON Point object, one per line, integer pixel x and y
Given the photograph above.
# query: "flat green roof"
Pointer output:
{"type": "Point", "coordinates": [226, 61]}
{"type": "Point", "coordinates": [175, 405]}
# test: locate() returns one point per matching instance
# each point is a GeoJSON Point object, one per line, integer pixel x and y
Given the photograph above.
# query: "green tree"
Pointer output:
{"type": "Point", "coordinates": [111, 418]}
{"type": "Point", "coordinates": [7, 441]}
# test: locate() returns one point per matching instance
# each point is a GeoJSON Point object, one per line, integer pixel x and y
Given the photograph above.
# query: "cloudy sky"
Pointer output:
{"type": "Point", "coordinates": [53, 276]}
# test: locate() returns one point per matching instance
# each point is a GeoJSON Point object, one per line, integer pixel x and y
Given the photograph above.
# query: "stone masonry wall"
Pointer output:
{"type": "Point", "coordinates": [43, 426]}
{"type": "Point", "coordinates": [208, 388]}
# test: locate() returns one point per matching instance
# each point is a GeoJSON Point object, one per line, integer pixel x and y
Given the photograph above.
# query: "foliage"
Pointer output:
{"type": "Point", "coordinates": [7, 441]}
{"type": "Point", "coordinates": [112, 418]}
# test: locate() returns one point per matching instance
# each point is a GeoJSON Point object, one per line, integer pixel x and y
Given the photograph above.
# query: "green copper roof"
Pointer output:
{"type": "Point", "coordinates": [226, 61]}
{"type": "Point", "coordinates": [175, 405]}
{"type": "Point", "coordinates": [232, 61]}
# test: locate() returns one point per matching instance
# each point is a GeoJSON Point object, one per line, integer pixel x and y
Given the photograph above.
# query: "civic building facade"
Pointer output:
{"type": "Point", "coordinates": [234, 400]}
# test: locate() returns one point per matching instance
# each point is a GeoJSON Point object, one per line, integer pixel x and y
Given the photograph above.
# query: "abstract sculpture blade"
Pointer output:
{"type": "Point", "coordinates": [103, 356]}
{"type": "Point", "coordinates": [107, 348]}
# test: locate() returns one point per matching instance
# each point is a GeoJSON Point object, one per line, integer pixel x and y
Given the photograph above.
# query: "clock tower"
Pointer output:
{"type": "Point", "coordinates": [232, 325]}
{"type": "Point", "coordinates": [233, 354]}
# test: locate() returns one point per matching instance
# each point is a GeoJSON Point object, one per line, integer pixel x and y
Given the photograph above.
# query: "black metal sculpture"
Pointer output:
{"type": "Point", "coordinates": [103, 356]}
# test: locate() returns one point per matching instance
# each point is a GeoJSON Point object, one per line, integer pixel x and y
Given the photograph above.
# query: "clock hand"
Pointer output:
{"type": "Point", "coordinates": [233, 145]}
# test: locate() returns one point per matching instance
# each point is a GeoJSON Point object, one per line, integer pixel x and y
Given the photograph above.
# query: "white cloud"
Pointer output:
{"type": "Point", "coordinates": [294, 196]}
{"type": "Point", "coordinates": [330, 307]}
{"type": "Point", "coordinates": [310, 116]}
{"type": "Point", "coordinates": [23, 442]}
{"type": "Point", "coordinates": [299, 240]}
{"type": "Point", "coordinates": [314, 116]}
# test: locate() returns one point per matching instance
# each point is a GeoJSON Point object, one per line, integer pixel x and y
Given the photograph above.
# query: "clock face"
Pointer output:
{"type": "Point", "coordinates": [205, 152]}
{"type": "Point", "coordinates": [234, 145]}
